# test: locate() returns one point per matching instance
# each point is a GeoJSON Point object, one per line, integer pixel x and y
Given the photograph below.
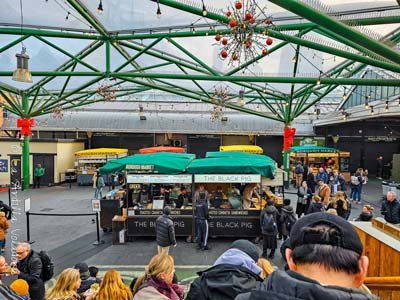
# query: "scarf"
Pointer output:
{"type": "Point", "coordinates": [172, 291]}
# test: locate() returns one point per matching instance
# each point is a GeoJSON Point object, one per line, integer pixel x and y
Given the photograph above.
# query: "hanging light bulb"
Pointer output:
{"type": "Point", "coordinates": [22, 73]}
{"type": "Point", "coordinates": [399, 100]}
{"type": "Point", "coordinates": [372, 110]}
{"type": "Point", "coordinates": [366, 102]}
{"type": "Point", "coordinates": [387, 106]}
{"type": "Point", "coordinates": [319, 78]}
{"type": "Point", "coordinates": [158, 10]}
{"type": "Point", "coordinates": [204, 10]}
{"type": "Point", "coordinates": [344, 94]}
{"type": "Point", "coordinates": [294, 59]}
{"type": "Point", "coordinates": [100, 8]}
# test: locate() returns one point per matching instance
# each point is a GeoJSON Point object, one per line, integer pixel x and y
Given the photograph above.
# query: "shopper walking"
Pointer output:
{"type": "Point", "coordinates": [299, 170]}
{"type": "Point", "coordinates": [165, 232]}
{"type": "Point", "coordinates": [201, 217]}
{"type": "Point", "coordinates": [98, 184]}
{"type": "Point", "coordinates": [311, 183]}
{"type": "Point", "coordinates": [304, 195]}
{"type": "Point", "coordinates": [391, 208]}
{"type": "Point", "coordinates": [37, 176]}
{"type": "Point", "coordinates": [269, 229]}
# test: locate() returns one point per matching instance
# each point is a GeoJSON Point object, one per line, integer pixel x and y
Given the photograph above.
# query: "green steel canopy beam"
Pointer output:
{"type": "Point", "coordinates": [268, 79]}
{"type": "Point", "coordinates": [288, 38]}
{"type": "Point", "coordinates": [48, 33]}
{"type": "Point", "coordinates": [203, 99]}
{"type": "Point", "coordinates": [85, 13]}
{"type": "Point", "coordinates": [339, 28]}
{"type": "Point", "coordinates": [82, 54]}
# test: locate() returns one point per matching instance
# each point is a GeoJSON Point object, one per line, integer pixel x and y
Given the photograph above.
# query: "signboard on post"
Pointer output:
{"type": "Point", "coordinates": [227, 178]}
{"type": "Point", "coordinates": [158, 178]}
{"type": "Point", "coordinates": [96, 207]}
{"type": "Point", "coordinates": [27, 204]}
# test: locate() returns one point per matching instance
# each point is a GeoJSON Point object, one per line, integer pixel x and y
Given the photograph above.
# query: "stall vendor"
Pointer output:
{"type": "Point", "coordinates": [164, 194]}
{"type": "Point", "coordinates": [183, 198]}
{"type": "Point", "coordinates": [201, 194]}
{"type": "Point", "coordinates": [248, 193]}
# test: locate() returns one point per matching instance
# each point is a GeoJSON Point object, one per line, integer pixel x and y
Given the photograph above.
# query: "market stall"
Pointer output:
{"type": "Point", "coordinates": [229, 173]}
{"type": "Point", "coordinates": [88, 161]}
{"type": "Point", "coordinates": [153, 173]}
{"type": "Point", "coordinates": [317, 156]}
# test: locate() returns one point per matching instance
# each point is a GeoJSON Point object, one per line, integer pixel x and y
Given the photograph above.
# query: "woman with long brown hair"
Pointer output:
{"type": "Point", "coordinates": [113, 288]}
{"type": "Point", "coordinates": [66, 286]}
{"type": "Point", "coordinates": [156, 282]}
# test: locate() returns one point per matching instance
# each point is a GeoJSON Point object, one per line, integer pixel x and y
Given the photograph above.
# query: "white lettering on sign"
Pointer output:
{"type": "Point", "coordinates": [227, 178]}
{"type": "Point", "coordinates": [131, 178]}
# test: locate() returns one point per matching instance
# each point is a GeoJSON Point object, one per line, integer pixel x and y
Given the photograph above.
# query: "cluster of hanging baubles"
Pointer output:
{"type": "Point", "coordinates": [233, 24]}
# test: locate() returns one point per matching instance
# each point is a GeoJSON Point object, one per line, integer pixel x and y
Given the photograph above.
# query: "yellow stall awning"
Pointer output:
{"type": "Point", "coordinates": [101, 152]}
{"type": "Point", "coordinates": [242, 148]}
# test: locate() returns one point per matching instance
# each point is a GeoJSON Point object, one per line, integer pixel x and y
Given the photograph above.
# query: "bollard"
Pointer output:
{"type": "Point", "coordinates": [98, 242]}
{"type": "Point", "coordinates": [28, 233]}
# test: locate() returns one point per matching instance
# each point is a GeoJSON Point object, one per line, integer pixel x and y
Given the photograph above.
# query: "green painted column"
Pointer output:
{"type": "Point", "coordinates": [26, 176]}
{"type": "Point", "coordinates": [286, 168]}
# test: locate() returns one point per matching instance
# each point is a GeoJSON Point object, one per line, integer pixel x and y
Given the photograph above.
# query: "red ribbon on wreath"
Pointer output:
{"type": "Point", "coordinates": [26, 125]}
{"type": "Point", "coordinates": [288, 137]}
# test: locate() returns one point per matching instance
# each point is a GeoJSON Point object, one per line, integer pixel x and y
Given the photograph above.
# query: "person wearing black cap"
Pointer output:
{"type": "Point", "coordinates": [325, 262]}
{"type": "Point", "coordinates": [86, 280]}
{"type": "Point", "coordinates": [165, 232]}
{"type": "Point", "coordinates": [235, 271]}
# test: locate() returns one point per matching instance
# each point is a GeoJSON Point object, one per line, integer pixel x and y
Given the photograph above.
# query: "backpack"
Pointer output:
{"type": "Point", "coordinates": [290, 221]}
{"type": "Point", "coordinates": [299, 169]}
{"type": "Point", "coordinates": [354, 180]}
{"type": "Point", "coordinates": [269, 224]}
{"type": "Point", "coordinates": [48, 266]}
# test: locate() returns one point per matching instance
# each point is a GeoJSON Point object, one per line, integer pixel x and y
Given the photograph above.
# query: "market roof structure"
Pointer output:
{"type": "Point", "coordinates": [287, 56]}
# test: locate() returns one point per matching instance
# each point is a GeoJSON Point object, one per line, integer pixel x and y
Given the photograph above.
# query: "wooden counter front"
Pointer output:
{"type": "Point", "coordinates": [383, 252]}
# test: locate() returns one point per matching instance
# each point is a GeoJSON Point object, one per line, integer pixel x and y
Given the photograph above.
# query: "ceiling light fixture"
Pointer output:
{"type": "Point", "coordinates": [158, 10]}
{"type": "Point", "coordinates": [372, 110]}
{"type": "Point", "coordinates": [366, 104]}
{"type": "Point", "coordinates": [387, 106]}
{"type": "Point", "coordinates": [100, 9]}
{"type": "Point", "coordinates": [241, 101]}
{"type": "Point", "coordinates": [204, 10]}
{"type": "Point", "coordinates": [22, 73]}
{"type": "Point", "coordinates": [319, 78]}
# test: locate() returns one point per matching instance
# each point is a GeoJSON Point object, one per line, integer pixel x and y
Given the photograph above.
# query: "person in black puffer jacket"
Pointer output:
{"type": "Point", "coordinates": [391, 208]}
{"type": "Point", "coordinates": [29, 268]}
{"type": "Point", "coordinates": [234, 272]}
{"type": "Point", "coordinates": [165, 231]}
{"type": "Point", "coordinates": [315, 205]}
{"type": "Point", "coordinates": [325, 261]}
{"type": "Point", "coordinates": [366, 214]}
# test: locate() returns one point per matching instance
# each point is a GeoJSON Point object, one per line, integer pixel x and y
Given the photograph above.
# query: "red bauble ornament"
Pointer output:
{"type": "Point", "coordinates": [265, 51]}
{"type": "Point", "coordinates": [268, 21]}
{"type": "Point", "coordinates": [232, 23]}
{"type": "Point", "coordinates": [224, 54]}
{"type": "Point", "coordinates": [218, 37]}
{"type": "Point", "coordinates": [269, 41]}
{"type": "Point", "coordinates": [228, 13]}
{"type": "Point", "coordinates": [247, 45]}
{"type": "Point", "coordinates": [252, 21]}
{"type": "Point", "coordinates": [248, 16]}
{"type": "Point", "coordinates": [238, 5]}
{"type": "Point", "coordinates": [235, 56]}
{"type": "Point", "coordinates": [224, 41]}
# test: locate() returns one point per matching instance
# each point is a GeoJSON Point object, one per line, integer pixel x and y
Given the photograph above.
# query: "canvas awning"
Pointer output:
{"type": "Point", "coordinates": [235, 164]}
{"type": "Point", "coordinates": [161, 162]}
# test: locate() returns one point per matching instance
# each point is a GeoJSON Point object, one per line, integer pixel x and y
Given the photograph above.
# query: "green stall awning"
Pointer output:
{"type": "Point", "coordinates": [161, 162]}
{"type": "Point", "coordinates": [264, 166]}
{"type": "Point", "coordinates": [313, 149]}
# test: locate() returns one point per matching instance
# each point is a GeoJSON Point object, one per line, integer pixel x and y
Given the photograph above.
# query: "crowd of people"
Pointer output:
{"type": "Point", "coordinates": [322, 252]}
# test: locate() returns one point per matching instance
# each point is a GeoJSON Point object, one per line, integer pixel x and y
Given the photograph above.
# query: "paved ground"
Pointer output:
{"type": "Point", "coordinates": [70, 239]}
